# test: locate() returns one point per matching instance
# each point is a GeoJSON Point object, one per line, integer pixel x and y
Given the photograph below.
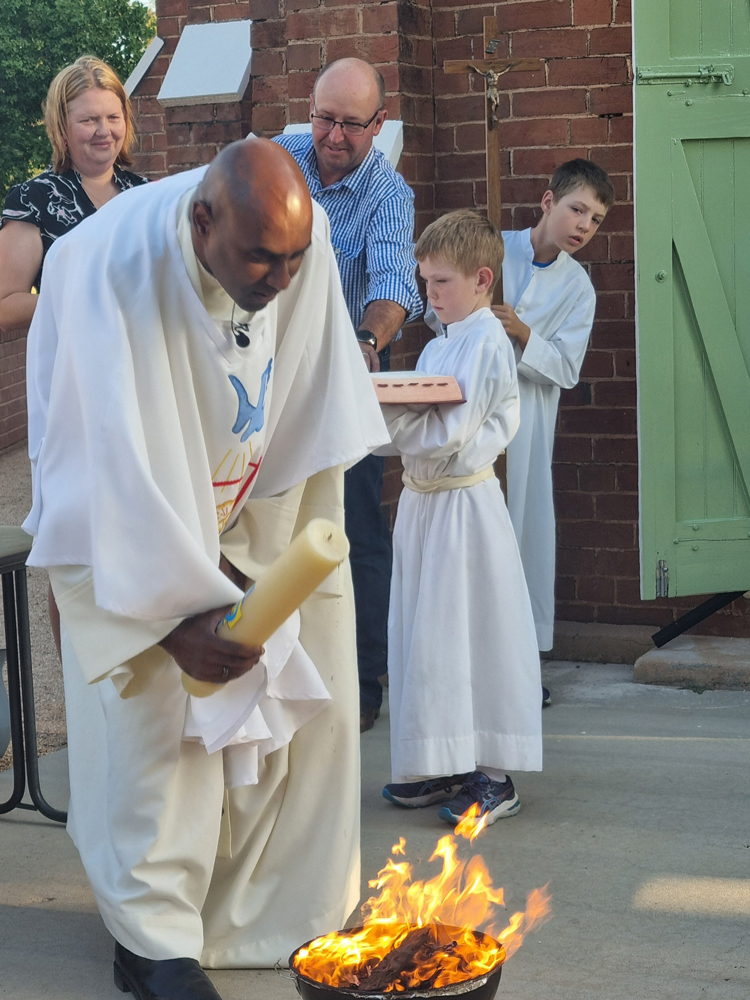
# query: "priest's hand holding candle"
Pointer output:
{"type": "Point", "coordinates": [315, 552]}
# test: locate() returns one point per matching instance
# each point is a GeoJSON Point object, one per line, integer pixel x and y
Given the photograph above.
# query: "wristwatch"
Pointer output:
{"type": "Point", "coordinates": [368, 337]}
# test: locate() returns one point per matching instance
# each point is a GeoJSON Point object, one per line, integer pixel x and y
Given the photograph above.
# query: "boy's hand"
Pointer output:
{"type": "Point", "coordinates": [513, 325]}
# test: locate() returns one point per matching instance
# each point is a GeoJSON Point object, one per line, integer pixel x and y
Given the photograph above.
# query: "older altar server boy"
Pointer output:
{"type": "Point", "coordinates": [548, 313]}
{"type": "Point", "coordinates": [465, 689]}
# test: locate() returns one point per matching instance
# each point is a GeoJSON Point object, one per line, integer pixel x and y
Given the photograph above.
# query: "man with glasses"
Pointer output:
{"type": "Point", "coordinates": [371, 211]}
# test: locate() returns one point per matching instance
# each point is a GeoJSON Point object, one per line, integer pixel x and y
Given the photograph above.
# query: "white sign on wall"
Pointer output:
{"type": "Point", "coordinates": [211, 64]}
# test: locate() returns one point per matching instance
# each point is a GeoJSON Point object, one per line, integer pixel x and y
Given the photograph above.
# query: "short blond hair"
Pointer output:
{"type": "Point", "coordinates": [464, 239]}
{"type": "Point", "coordinates": [84, 74]}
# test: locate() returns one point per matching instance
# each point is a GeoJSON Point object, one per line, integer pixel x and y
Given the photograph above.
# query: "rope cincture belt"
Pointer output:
{"type": "Point", "coordinates": [446, 482]}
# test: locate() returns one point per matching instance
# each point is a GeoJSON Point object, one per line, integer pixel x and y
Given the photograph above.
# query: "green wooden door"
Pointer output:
{"type": "Point", "coordinates": [692, 196]}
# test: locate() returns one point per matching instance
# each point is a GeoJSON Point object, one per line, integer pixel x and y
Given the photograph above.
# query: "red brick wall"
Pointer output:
{"type": "Point", "coordinates": [12, 387]}
{"type": "Point", "coordinates": [579, 104]}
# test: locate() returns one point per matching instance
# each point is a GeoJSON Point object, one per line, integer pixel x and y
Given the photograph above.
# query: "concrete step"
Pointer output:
{"type": "Point", "coordinates": [697, 662]}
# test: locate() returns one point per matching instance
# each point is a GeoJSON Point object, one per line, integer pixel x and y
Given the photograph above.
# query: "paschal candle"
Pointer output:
{"type": "Point", "coordinates": [315, 552]}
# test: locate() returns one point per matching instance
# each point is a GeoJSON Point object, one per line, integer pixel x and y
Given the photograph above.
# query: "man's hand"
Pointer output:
{"type": "Point", "coordinates": [513, 325]}
{"type": "Point", "coordinates": [383, 318]}
{"type": "Point", "coordinates": [204, 655]}
{"type": "Point", "coordinates": [370, 356]}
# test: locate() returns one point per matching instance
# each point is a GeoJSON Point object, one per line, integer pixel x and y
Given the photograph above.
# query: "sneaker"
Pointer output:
{"type": "Point", "coordinates": [496, 799]}
{"type": "Point", "coordinates": [546, 697]}
{"type": "Point", "coordinates": [418, 794]}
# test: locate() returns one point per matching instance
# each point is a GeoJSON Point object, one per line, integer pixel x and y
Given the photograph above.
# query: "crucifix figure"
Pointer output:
{"type": "Point", "coordinates": [491, 69]}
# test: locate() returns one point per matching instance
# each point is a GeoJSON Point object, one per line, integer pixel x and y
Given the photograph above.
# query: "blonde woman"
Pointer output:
{"type": "Point", "coordinates": [90, 126]}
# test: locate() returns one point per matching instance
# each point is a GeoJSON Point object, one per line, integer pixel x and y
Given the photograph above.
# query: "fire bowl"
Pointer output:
{"type": "Point", "coordinates": [483, 987]}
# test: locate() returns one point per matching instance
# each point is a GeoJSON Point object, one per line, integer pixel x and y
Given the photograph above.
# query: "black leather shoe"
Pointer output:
{"type": "Point", "coordinates": [171, 979]}
{"type": "Point", "coordinates": [367, 716]}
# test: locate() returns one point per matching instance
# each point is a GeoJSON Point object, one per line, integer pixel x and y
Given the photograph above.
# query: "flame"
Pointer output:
{"type": "Point", "coordinates": [453, 904]}
{"type": "Point", "coordinates": [471, 825]}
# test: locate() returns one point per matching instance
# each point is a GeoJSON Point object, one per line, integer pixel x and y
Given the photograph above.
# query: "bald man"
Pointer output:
{"type": "Point", "coordinates": [371, 210]}
{"type": "Point", "coordinates": [195, 390]}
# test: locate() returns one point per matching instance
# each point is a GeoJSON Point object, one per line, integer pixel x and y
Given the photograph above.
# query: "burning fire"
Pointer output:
{"type": "Point", "coordinates": [424, 934]}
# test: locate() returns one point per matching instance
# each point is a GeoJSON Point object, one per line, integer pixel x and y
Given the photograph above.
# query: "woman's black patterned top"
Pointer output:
{"type": "Point", "coordinates": [55, 203]}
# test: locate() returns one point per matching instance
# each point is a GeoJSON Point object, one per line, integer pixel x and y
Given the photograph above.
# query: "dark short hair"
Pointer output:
{"type": "Point", "coordinates": [576, 173]}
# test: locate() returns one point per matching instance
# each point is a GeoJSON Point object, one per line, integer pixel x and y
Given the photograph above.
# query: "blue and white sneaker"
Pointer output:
{"type": "Point", "coordinates": [418, 794]}
{"type": "Point", "coordinates": [496, 799]}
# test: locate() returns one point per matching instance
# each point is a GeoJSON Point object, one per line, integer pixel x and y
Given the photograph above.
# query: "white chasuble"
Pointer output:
{"type": "Point", "coordinates": [150, 430]}
{"type": "Point", "coordinates": [122, 322]}
{"type": "Point", "coordinates": [464, 678]}
{"type": "Point", "coordinates": [260, 711]}
{"type": "Point", "coordinates": [557, 302]}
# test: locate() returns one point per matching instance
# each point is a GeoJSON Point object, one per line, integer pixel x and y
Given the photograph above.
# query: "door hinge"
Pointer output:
{"type": "Point", "coordinates": [662, 578]}
{"type": "Point", "coordinates": [712, 73]}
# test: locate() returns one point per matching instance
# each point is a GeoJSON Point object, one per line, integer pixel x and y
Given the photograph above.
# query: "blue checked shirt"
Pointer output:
{"type": "Point", "coordinates": [371, 211]}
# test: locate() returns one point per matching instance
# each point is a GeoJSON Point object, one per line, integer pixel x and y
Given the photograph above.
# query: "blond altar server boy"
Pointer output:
{"type": "Point", "coordinates": [465, 689]}
{"type": "Point", "coordinates": [548, 313]}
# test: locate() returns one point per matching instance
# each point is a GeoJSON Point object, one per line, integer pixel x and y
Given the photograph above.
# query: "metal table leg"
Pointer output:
{"type": "Point", "coordinates": [29, 709]}
{"type": "Point", "coordinates": [21, 697]}
{"type": "Point", "coordinates": [14, 696]}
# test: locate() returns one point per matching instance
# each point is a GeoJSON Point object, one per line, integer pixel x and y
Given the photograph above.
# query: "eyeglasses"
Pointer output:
{"type": "Point", "coordinates": [348, 128]}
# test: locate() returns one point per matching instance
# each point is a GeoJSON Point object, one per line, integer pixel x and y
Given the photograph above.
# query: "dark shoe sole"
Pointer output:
{"type": "Point", "coordinates": [510, 807]}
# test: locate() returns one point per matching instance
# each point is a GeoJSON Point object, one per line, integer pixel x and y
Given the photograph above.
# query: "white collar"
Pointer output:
{"type": "Point", "coordinates": [528, 250]}
{"type": "Point", "coordinates": [463, 325]}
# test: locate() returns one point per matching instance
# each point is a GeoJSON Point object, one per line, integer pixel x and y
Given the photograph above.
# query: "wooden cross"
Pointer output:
{"type": "Point", "coordinates": [491, 69]}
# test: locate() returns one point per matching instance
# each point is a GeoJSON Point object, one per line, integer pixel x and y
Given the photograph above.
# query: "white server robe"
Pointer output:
{"type": "Point", "coordinates": [557, 302]}
{"type": "Point", "coordinates": [134, 408]}
{"type": "Point", "coordinates": [464, 678]}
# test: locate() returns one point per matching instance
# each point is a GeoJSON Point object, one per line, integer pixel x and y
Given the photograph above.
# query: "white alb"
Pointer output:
{"type": "Point", "coordinates": [464, 678]}
{"type": "Point", "coordinates": [557, 302]}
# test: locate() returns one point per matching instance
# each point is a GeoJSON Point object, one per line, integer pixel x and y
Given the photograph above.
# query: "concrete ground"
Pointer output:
{"type": "Point", "coordinates": [640, 823]}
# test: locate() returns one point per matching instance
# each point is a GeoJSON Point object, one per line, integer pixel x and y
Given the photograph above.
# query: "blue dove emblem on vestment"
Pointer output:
{"type": "Point", "coordinates": [247, 414]}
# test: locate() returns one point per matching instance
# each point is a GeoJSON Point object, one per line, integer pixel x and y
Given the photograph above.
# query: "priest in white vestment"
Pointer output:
{"type": "Point", "coordinates": [195, 394]}
{"type": "Point", "coordinates": [464, 677]}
